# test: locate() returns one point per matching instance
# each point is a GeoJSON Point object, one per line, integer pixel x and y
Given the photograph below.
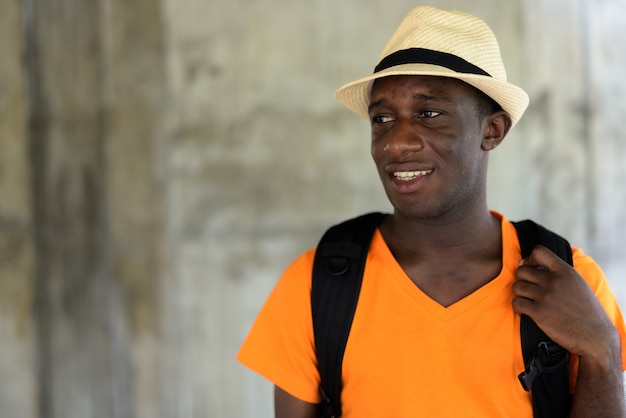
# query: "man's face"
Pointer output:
{"type": "Point", "coordinates": [427, 145]}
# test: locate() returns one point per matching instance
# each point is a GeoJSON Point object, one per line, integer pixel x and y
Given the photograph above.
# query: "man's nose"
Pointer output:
{"type": "Point", "coordinates": [405, 137]}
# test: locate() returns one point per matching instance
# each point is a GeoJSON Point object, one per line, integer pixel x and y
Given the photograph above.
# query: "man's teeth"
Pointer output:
{"type": "Point", "coordinates": [410, 175]}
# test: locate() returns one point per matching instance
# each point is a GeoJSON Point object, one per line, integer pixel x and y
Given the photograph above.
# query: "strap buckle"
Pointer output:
{"type": "Point", "coordinates": [326, 409]}
{"type": "Point", "coordinates": [548, 357]}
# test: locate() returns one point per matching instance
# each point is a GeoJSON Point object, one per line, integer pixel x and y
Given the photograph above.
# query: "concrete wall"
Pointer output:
{"type": "Point", "coordinates": [162, 162]}
{"type": "Point", "coordinates": [17, 348]}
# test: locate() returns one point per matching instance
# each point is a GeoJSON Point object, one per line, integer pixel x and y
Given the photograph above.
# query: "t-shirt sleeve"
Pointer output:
{"type": "Point", "coordinates": [280, 345]}
{"type": "Point", "coordinates": [596, 279]}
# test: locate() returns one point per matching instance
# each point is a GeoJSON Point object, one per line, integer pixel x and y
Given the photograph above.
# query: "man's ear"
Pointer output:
{"type": "Point", "coordinates": [495, 128]}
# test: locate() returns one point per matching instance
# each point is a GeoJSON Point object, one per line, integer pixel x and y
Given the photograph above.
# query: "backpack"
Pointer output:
{"type": "Point", "coordinates": [336, 282]}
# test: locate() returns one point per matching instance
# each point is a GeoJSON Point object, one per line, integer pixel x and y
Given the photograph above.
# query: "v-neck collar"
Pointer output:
{"type": "Point", "coordinates": [510, 259]}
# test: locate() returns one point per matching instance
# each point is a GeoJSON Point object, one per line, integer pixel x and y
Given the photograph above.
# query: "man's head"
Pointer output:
{"type": "Point", "coordinates": [441, 43]}
{"type": "Point", "coordinates": [431, 137]}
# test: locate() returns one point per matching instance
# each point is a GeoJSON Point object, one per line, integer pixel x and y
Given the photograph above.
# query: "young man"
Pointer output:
{"type": "Point", "coordinates": [436, 329]}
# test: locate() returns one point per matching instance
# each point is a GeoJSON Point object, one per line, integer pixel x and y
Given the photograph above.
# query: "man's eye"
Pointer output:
{"type": "Point", "coordinates": [429, 114]}
{"type": "Point", "coordinates": [381, 119]}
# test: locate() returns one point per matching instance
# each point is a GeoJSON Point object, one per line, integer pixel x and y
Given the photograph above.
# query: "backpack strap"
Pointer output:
{"type": "Point", "coordinates": [547, 364]}
{"type": "Point", "coordinates": [337, 272]}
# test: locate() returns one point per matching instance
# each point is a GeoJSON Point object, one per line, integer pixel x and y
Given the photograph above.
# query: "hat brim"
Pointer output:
{"type": "Point", "coordinates": [356, 94]}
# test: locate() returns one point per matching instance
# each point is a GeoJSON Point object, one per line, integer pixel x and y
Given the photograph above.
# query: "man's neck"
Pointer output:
{"type": "Point", "coordinates": [461, 236]}
{"type": "Point", "coordinates": [447, 261]}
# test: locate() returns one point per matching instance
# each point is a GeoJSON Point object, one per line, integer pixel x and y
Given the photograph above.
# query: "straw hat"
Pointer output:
{"type": "Point", "coordinates": [443, 43]}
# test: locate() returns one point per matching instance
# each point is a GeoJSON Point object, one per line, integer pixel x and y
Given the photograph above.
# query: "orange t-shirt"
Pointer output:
{"type": "Point", "coordinates": [406, 354]}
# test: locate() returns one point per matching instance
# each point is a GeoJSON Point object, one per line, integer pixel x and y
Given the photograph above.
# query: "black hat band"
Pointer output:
{"type": "Point", "coordinates": [428, 56]}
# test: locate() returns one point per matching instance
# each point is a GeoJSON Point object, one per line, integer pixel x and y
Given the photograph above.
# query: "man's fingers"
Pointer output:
{"type": "Point", "coordinates": [532, 273]}
{"type": "Point", "coordinates": [522, 305]}
{"type": "Point", "coordinates": [542, 259]}
{"type": "Point", "coordinates": [525, 288]}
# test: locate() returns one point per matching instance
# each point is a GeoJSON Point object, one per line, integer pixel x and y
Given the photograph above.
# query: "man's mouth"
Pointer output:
{"type": "Point", "coordinates": [410, 175]}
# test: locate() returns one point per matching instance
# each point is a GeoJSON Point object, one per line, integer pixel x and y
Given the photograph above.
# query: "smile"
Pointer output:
{"type": "Point", "coordinates": [410, 175]}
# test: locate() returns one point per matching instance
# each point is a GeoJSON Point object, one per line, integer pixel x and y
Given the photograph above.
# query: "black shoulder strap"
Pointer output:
{"type": "Point", "coordinates": [547, 364]}
{"type": "Point", "coordinates": [337, 272]}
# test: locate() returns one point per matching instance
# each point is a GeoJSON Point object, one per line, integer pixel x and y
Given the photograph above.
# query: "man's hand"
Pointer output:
{"type": "Point", "coordinates": [561, 302]}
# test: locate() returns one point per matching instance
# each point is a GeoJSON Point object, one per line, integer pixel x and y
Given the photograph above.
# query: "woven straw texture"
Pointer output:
{"type": "Point", "coordinates": [452, 32]}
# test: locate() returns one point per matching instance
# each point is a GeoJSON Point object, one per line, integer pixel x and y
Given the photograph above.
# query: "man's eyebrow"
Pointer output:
{"type": "Point", "coordinates": [429, 98]}
{"type": "Point", "coordinates": [418, 96]}
{"type": "Point", "coordinates": [375, 104]}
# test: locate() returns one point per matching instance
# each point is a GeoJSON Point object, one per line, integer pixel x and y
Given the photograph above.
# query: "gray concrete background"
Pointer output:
{"type": "Point", "coordinates": [161, 162]}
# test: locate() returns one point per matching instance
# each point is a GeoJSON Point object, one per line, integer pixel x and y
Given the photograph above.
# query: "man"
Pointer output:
{"type": "Point", "coordinates": [436, 330]}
